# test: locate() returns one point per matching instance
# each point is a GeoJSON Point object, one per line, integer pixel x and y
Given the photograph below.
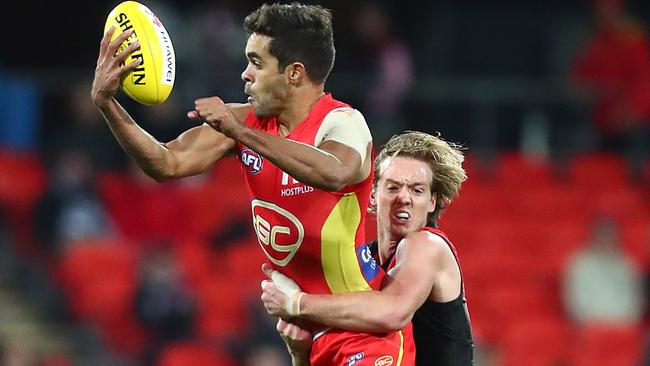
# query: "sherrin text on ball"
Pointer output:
{"type": "Point", "coordinates": [152, 81]}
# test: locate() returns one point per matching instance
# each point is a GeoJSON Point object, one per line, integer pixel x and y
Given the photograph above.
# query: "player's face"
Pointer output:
{"type": "Point", "coordinates": [266, 87]}
{"type": "Point", "coordinates": [403, 196]}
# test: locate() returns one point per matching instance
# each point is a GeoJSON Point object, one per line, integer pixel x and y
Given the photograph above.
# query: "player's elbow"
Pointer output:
{"type": "Point", "coordinates": [395, 322]}
{"type": "Point", "coordinates": [158, 174]}
{"type": "Point", "coordinates": [160, 178]}
{"type": "Point", "coordinates": [163, 169]}
{"type": "Point", "coordinates": [333, 180]}
{"type": "Point", "coordinates": [333, 185]}
{"type": "Point", "coordinates": [393, 319]}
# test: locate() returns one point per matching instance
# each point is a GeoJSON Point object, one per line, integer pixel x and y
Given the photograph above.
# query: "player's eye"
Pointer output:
{"type": "Point", "coordinates": [257, 64]}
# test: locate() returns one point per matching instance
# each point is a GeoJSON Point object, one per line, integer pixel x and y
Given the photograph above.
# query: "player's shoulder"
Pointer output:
{"type": "Point", "coordinates": [347, 119]}
{"type": "Point", "coordinates": [425, 243]}
{"type": "Point", "coordinates": [345, 113]}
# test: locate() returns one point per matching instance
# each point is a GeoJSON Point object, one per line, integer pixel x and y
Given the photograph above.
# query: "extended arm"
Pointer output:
{"type": "Point", "coordinates": [330, 166]}
{"type": "Point", "coordinates": [191, 153]}
{"type": "Point", "coordinates": [406, 288]}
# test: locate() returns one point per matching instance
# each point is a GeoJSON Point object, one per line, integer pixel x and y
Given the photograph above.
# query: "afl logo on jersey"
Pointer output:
{"type": "Point", "coordinates": [279, 232]}
{"type": "Point", "coordinates": [251, 160]}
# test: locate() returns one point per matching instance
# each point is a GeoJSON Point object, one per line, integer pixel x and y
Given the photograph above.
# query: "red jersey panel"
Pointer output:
{"type": "Point", "coordinates": [317, 239]}
{"type": "Point", "coordinates": [313, 236]}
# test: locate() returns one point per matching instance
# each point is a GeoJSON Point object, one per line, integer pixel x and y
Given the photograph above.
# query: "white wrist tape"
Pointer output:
{"type": "Point", "coordinates": [291, 290]}
{"type": "Point", "coordinates": [293, 303]}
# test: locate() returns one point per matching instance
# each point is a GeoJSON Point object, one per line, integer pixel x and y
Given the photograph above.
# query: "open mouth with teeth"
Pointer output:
{"type": "Point", "coordinates": [249, 94]}
{"type": "Point", "coordinates": [402, 215]}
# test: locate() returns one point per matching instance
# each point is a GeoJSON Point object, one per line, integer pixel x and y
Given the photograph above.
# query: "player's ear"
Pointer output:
{"type": "Point", "coordinates": [295, 73]}
{"type": "Point", "coordinates": [372, 204]}
{"type": "Point", "coordinates": [432, 205]}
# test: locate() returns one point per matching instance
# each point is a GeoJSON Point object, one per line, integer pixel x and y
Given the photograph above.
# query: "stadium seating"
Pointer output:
{"type": "Point", "coordinates": [222, 308]}
{"type": "Point", "coordinates": [514, 232]}
{"type": "Point", "coordinates": [536, 341]}
{"type": "Point", "coordinates": [22, 182]}
{"type": "Point", "coordinates": [599, 170]}
{"type": "Point", "coordinates": [98, 278]}
{"type": "Point", "coordinates": [606, 345]}
{"type": "Point", "coordinates": [196, 260]}
{"type": "Point", "coordinates": [193, 353]}
{"type": "Point", "coordinates": [217, 200]}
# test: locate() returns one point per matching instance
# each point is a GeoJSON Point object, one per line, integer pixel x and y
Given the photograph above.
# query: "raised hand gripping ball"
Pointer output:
{"type": "Point", "coordinates": [152, 81]}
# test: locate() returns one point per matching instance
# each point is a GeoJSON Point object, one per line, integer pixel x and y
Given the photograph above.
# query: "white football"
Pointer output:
{"type": "Point", "coordinates": [152, 81]}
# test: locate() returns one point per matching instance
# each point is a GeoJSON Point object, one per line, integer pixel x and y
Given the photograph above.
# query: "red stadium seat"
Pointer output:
{"type": "Point", "coordinates": [565, 238]}
{"type": "Point", "coordinates": [552, 203]}
{"type": "Point", "coordinates": [193, 353]}
{"type": "Point", "coordinates": [606, 345]}
{"type": "Point", "coordinates": [546, 245]}
{"type": "Point", "coordinates": [536, 341]}
{"type": "Point", "coordinates": [122, 332]}
{"type": "Point", "coordinates": [521, 173]}
{"type": "Point", "coordinates": [144, 210]}
{"type": "Point", "coordinates": [196, 261]}
{"type": "Point", "coordinates": [622, 203]}
{"type": "Point", "coordinates": [222, 308]}
{"type": "Point", "coordinates": [476, 202]}
{"type": "Point", "coordinates": [218, 201]}
{"type": "Point", "coordinates": [599, 170]}
{"type": "Point", "coordinates": [99, 280]}
{"type": "Point", "coordinates": [22, 181]}
{"type": "Point", "coordinates": [635, 238]}
{"type": "Point", "coordinates": [244, 261]}
{"type": "Point", "coordinates": [501, 291]}
{"type": "Point", "coordinates": [92, 293]}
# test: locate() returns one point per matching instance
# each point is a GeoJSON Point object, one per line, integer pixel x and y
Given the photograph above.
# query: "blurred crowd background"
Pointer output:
{"type": "Point", "coordinates": [100, 265]}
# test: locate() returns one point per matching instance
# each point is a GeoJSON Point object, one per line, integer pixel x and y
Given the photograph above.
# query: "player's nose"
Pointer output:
{"type": "Point", "coordinates": [404, 196]}
{"type": "Point", "coordinates": [246, 76]}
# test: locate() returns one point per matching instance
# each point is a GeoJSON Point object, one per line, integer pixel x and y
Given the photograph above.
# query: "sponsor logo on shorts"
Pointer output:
{"type": "Point", "coordinates": [384, 361]}
{"type": "Point", "coordinates": [252, 161]}
{"type": "Point", "coordinates": [356, 358]}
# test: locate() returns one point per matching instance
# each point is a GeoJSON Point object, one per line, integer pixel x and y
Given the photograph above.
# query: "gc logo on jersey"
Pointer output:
{"type": "Point", "coordinates": [369, 266]}
{"type": "Point", "coordinates": [279, 232]}
{"type": "Point", "coordinates": [384, 361]}
{"type": "Point", "coordinates": [252, 161]}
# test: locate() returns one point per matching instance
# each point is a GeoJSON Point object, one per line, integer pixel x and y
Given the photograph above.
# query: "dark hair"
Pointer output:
{"type": "Point", "coordinates": [298, 33]}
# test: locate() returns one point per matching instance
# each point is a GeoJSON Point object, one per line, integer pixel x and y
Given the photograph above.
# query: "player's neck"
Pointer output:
{"type": "Point", "coordinates": [386, 245]}
{"type": "Point", "coordinates": [302, 102]}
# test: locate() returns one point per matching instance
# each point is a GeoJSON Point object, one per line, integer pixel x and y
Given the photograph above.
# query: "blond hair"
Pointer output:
{"type": "Point", "coordinates": [444, 158]}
